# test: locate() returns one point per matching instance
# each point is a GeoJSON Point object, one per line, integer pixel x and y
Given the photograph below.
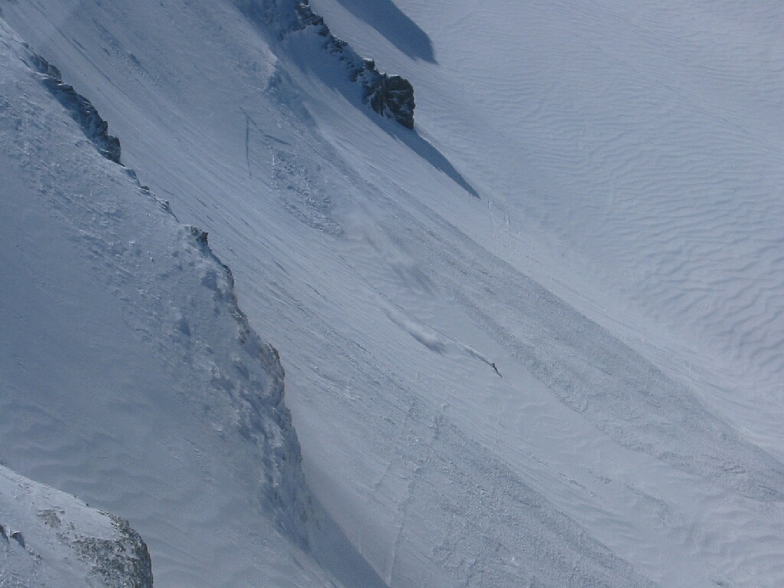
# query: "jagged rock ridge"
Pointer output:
{"type": "Point", "coordinates": [236, 376]}
{"type": "Point", "coordinates": [391, 96]}
{"type": "Point", "coordinates": [81, 110]}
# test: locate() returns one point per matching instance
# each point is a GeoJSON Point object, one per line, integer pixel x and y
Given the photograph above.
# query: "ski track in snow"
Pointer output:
{"type": "Point", "coordinates": [593, 374]}
{"type": "Point", "coordinates": [657, 169]}
{"type": "Point", "coordinates": [628, 161]}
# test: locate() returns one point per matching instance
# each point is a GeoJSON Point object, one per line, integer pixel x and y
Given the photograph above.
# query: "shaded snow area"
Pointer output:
{"type": "Point", "coordinates": [532, 338]}
{"type": "Point", "coordinates": [51, 539]}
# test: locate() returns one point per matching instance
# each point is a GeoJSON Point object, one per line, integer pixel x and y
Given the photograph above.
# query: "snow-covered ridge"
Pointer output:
{"type": "Point", "coordinates": [391, 96]}
{"type": "Point", "coordinates": [160, 284]}
{"type": "Point", "coordinates": [258, 395]}
{"type": "Point", "coordinates": [50, 539]}
{"type": "Point", "coordinates": [95, 128]}
{"type": "Point", "coordinates": [253, 379]}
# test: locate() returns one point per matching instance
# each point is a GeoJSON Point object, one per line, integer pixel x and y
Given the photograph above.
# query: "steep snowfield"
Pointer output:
{"type": "Point", "coordinates": [590, 202]}
{"type": "Point", "coordinates": [130, 377]}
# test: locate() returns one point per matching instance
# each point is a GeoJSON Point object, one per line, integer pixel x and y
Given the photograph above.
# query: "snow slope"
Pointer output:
{"type": "Point", "coordinates": [590, 201]}
{"type": "Point", "coordinates": [130, 376]}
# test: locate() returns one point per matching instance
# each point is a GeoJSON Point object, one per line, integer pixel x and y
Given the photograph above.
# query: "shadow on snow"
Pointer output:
{"type": "Point", "coordinates": [394, 25]}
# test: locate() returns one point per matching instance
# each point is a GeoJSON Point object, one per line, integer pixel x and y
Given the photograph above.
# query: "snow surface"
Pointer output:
{"type": "Point", "coordinates": [591, 201]}
{"type": "Point", "coordinates": [130, 377]}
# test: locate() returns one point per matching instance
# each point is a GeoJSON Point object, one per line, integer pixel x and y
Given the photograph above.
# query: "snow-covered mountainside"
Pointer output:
{"type": "Point", "coordinates": [130, 375]}
{"type": "Point", "coordinates": [49, 539]}
{"type": "Point", "coordinates": [533, 340]}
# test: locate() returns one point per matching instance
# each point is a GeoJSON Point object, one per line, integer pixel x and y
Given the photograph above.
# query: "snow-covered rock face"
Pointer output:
{"type": "Point", "coordinates": [94, 127]}
{"type": "Point", "coordinates": [253, 382]}
{"type": "Point", "coordinates": [49, 539]}
{"type": "Point", "coordinates": [243, 374]}
{"type": "Point", "coordinates": [391, 96]}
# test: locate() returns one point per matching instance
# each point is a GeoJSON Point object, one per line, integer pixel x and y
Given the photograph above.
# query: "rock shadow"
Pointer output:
{"type": "Point", "coordinates": [315, 51]}
{"type": "Point", "coordinates": [426, 151]}
{"type": "Point", "coordinates": [334, 77]}
{"type": "Point", "coordinates": [394, 25]}
{"type": "Point", "coordinates": [332, 550]}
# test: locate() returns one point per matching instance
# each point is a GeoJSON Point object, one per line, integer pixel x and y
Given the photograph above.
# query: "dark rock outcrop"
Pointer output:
{"type": "Point", "coordinates": [390, 96]}
{"type": "Point", "coordinates": [123, 561]}
{"type": "Point", "coordinates": [81, 110]}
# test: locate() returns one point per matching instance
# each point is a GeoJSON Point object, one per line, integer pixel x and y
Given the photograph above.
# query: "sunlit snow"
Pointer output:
{"type": "Point", "coordinates": [535, 341]}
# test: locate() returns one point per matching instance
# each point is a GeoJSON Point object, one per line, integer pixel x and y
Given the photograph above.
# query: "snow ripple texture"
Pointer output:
{"type": "Point", "coordinates": [581, 136]}
{"type": "Point", "coordinates": [655, 142]}
{"type": "Point", "coordinates": [595, 373]}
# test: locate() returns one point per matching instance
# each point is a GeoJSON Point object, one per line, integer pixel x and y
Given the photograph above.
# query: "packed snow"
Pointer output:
{"type": "Point", "coordinates": [536, 340]}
